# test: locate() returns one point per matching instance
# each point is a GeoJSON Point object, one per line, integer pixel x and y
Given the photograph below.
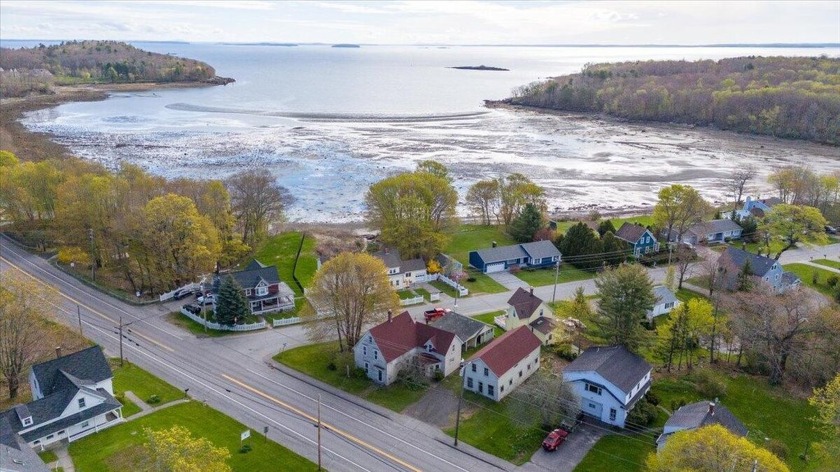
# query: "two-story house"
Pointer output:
{"type": "Point", "coordinates": [732, 262]}
{"type": "Point", "coordinates": [525, 308]}
{"type": "Point", "coordinates": [640, 239]}
{"type": "Point", "coordinates": [402, 273]}
{"type": "Point", "coordinates": [609, 381]}
{"type": "Point", "coordinates": [72, 397]}
{"type": "Point", "coordinates": [262, 287]}
{"type": "Point", "coordinates": [499, 367]}
{"type": "Point", "coordinates": [697, 415]}
{"type": "Point", "coordinates": [393, 345]}
{"type": "Point", "coordinates": [501, 258]}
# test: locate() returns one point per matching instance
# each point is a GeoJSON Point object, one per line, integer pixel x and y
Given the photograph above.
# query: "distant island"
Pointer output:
{"type": "Point", "coordinates": [288, 45]}
{"type": "Point", "coordinates": [482, 67]}
{"type": "Point", "coordinates": [36, 70]}
{"type": "Point", "coordinates": [352, 46]}
{"type": "Point", "coordinates": [786, 97]}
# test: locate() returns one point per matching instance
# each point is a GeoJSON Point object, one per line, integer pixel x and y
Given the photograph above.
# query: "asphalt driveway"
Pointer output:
{"type": "Point", "coordinates": [569, 454]}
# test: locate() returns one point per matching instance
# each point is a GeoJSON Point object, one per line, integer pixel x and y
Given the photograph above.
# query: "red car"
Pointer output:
{"type": "Point", "coordinates": [432, 315]}
{"type": "Point", "coordinates": [554, 439]}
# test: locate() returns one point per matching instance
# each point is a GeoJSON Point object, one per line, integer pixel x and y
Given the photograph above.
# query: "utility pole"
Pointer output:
{"type": "Point", "coordinates": [79, 312]}
{"type": "Point", "coordinates": [92, 256]}
{"type": "Point", "coordinates": [319, 431]}
{"type": "Point", "coordinates": [460, 400]}
{"type": "Point", "coordinates": [121, 342]}
{"type": "Point", "coordinates": [556, 276]}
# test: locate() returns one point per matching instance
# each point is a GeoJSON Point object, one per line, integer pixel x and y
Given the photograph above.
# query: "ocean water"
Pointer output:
{"type": "Point", "coordinates": [328, 122]}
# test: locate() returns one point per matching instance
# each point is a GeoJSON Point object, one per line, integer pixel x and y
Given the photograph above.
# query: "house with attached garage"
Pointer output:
{"type": "Point", "coordinates": [609, 381]}
{"type": "Point", "coordinates": [525, 308]}
{"type": "Point", "coordinates": [72, 397]}
{"type": "Point", "coordinates": [697, 415]}
{"type": "Point", "coordinates": [402, 273]}
{"type": "Point", "coordinates": [708, 232]}
{"type": "Point", "coordinates": [640, 239]}
{"type": "Point", "coordinates": [665, 303]}
{"type": "Point", "coordinates": [262, 288]}
{"type": "Point", "coordinates": [400, 342]}
{"type": "Point", "coordinates": [501, 258]}
{"type": "Point", "coordinates": [499, 367]}
{"type": "Point", "coordinates": [472, 333]}
{"type": "Point", "coordinates": [732, 263]}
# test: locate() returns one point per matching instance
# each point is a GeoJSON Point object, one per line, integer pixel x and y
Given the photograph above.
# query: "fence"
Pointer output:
{"type": "Point", "coordinates": [412, 301]}
{"type": "Point", "coordinates": [463, 291]}
{"type": "Point", "coordinates": [169, 295]}
{"type": "Point", "coordinates": [221, 327]}
{"type": "Point", "coordinates": [294, 320]}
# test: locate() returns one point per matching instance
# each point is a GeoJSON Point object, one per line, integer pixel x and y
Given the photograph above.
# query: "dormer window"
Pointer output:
{"type": "Point", "coordinates": [27, 421]}
{"type": "Point", "coordinates": [81, 403]}
{"type": "Point", "coordinates": [429, 348]}
{"type": "Point", "coordinates": [262, 290]}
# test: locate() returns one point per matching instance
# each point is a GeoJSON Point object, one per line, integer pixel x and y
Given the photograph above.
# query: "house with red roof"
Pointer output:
{"type": "Point", "coordinates": [498, 368]}
{"type": "Point", "coordinates": [400, 342]}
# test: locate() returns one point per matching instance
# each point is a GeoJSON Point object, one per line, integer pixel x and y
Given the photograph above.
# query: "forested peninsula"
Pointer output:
{"type": "Point", "coordinates": [38, 69]}
{"type": "Point", "coordinates": [787, 97]}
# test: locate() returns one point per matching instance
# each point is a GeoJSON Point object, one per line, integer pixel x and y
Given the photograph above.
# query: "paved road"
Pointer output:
{"type": "Point", "coordinates": [357, 435]}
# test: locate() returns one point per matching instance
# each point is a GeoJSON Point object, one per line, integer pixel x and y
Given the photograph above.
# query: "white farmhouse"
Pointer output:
{"type": "Point", "coordinates": [402, 273]}
{"type": "Point", "coordinates": [609, 381]}
{"type": "Point", "coordinates": [502, 365]}
{"type": "Point", "coordinates": [665, 303]}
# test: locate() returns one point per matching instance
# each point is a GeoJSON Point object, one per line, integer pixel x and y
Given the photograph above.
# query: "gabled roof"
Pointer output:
{"type": "Point", "coordinates": [109, 404]}
{"type": "Point", "coordinates": [508, 349]}
{"type": "Point", "coordinates": [402, 334]}
{"type": "Point", "coordinates": [701, 414]}
{"type": "Point", "coordinates": [663, 295]}
{"type": "Point", "coordinates": [524, 302]}
{"type": "Point", "coordinates": [15, 453]}
{"type": "Point", "coordinates": [615, 364]}
{"type": "Point", "coordinates": [87, 366]}
{"type": "Point", "coordinates": [714, 226]}
{"type": "Point", "coordinates": [254, 273]}
{"type": "Point", "coordinates": [541, 249]}
{"type": "Point", "coordinates": [759, 265]}
{"type": "Point", "coordinates": [412, 265]}
{"type": "Point", "coordinates": [390, 256]}
{"type": "Point", "coordinates": [630, 232]}
{"type": "Point", "coordinates": [462, 326]}
{"type": "Point", "coordinates": [501, 253]}
{"type": "Point", "coordinates": [543, 325]}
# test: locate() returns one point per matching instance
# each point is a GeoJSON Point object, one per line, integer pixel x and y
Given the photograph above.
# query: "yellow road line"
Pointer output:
{"type": "Point", "coordinates": [325, 425]}
{"type": "Point", "coordinates": [85, 306]}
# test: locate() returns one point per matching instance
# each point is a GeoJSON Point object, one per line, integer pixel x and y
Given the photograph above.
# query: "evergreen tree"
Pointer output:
{"type": "Point", "coordinates": [523, 227]}
{"type": "Point", "coordinates": [231, 304]}
{"type": "Point", "coordinates": [745, 278]}
{"type": "Point", "coordinates": [581, 247]}
{"type": "Point", "coordinates": [605, 227]}
{"type": "Point", "coordinates": [615, 250]}
{"type": "Point", "coordinates": [749, 228]}
{"type": "Point", "coordinates": [626, 294]}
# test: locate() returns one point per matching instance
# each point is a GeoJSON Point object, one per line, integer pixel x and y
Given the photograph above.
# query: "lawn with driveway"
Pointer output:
{"type": "Point", "coordinates": [545, 276]}
{"type": "Point", "coordinates": [129, 377]}
{"type": "Point", "coordinates": [827, 263]}
{"type": "Point", "coordinates": [813, 277]}
{"type": "Point", "coordinates": [466, 238]}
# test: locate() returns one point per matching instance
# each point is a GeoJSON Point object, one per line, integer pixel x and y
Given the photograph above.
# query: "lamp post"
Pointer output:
{"type": "Point", "coordinates": [556, 276]}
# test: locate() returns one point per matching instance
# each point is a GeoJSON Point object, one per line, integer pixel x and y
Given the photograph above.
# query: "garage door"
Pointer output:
{"type": "Point", "coordinates": [490, 268]}
{"type": "Point", "coordinates": [591, 408]}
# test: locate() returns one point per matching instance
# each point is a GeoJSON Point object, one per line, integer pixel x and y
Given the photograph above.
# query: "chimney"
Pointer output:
{"type": "Point", "coordinates": [532, 291]}
{"type": "Point", "coordinates": [712, 408]}
{"type": "Point", "coordinates": [389, 316]}
{"type": "Point", "coordinates": [58, 352]}
{"type": "Point", "coordinates": [494, 244]}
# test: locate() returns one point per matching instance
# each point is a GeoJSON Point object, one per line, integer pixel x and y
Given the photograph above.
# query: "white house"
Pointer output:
{"type": "Point", "coordinates": [525, 308]}
{"type": "Point", "coordinates": [393, 345]}
{"type": "Point", "coordinates": [697, 415]}
{"type": "Point", "coordinates": [609, 381]}
{"type": "Point", "coordinates": [502, 365]}
{"type": "Point", "coordinates": [402, 273]}
{"type": "Point", "coordinates": [666, 301]}
{"type": "Point", "coordinates": [72, 396]}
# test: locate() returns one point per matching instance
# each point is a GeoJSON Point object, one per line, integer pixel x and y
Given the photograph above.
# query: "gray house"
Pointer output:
{"type": "Point", "coordinates": [715, 231]}
{"type": "Point", "coordinates": [732, 261]}
{"type": "Point", "coordinates": [472, 333]}
{"type": "Point", "coordinates": [697, 415]}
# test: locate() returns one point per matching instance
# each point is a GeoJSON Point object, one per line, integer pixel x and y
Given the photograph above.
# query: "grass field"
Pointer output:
{"type": "Point", "coordinates": [487, 318]}
{"type": "Point", "coordinates": [314, 360]}
{"type": "Point", "coordinates": [807, 274]}
{"type": "Point", "coordinates": [143, 384]}
{"type": "Point", "coordinates": [198, 330]}
{"type": "Point", "coordinates": [613, 452]}
{"type": "Point", "coordinates": [827, 263]}
{"type": "Point", "coordinates": [281, 250]}
{"type": "Point", "coordinates": [466, 238]}
{"type": "Point", "coordinates": [48, 456]}
{"type": "Point", "coordinates": [120, 448]}
{"type": "Point", "coordinates": [540, 277]}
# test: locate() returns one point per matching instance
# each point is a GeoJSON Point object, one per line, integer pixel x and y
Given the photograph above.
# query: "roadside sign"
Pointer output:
{"type": "Point", "coordinates": [245, 435]}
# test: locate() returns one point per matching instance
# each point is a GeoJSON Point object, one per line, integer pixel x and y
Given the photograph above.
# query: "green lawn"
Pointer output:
{"type": "Point", "coordinates": [540, 277]}
{"type": "Point", "coordinates": [644, 220]}
{"type": "Point", "coordinates": [466, 238]}
{"type": "Point", "coordinates": [200, 331]}
{"type": "Point", "coordinates": [487, 318]}
{"type": "Point", "coordinates": [684, 295]}
{"type": "Point", "coordinates": [119, 448]}
{"type": "Point", "coordinates": [806, 274]}
{"type": "Point", "coordinates": [626, 453]}
{"type": "Point", "coordinates": [492, 427]}
{"type": "Point", "coordinates": [406, 294]}
{"type": "Point", "coordinates": [281, 250]}
{"type": "Point", "coordinates": [48, 456]}
{"type": "Point", "coordinates": [143, 384]}
{"type": "Point", "coordinates": [315, 359]}
{"type": "Point", "coordinates": [827, 263]}
{"type": "Point", "coordinates": [129, 407]}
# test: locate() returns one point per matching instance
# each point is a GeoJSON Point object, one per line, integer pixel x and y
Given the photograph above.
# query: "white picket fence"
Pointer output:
{"type": "Point", "coordinates": [169, 295]}
{"type": "Point", "coordinates": [221, 327]}
{"type": "Point", "coordinates": [295, 320]}
{"type": "Point", "coordinates": [463, 291]}
{"type": "Point", "coordinates": [412, 301]}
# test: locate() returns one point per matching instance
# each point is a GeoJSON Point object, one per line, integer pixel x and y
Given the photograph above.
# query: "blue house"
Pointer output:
{"type": "Point", "coordinates": [640, 238]}
{"type": "Point", "coordinates": [755, 207]}
{"type": "Point", "coordinates": [499, 259]}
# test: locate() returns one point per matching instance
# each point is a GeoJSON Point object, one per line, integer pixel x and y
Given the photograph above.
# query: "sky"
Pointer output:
{"type": "Point", "coordinates": [426, 22]}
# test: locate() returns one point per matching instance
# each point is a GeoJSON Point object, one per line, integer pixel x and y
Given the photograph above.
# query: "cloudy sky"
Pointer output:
{"type": "Point", "coordinates": [436, 22]}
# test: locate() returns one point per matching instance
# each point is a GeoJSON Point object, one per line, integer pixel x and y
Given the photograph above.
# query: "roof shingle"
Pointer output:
{"type": "Point", "coordinates": [524, 302]}
{"type": "Point", "coordinates": [402, 334]}
{"type": "Point", "coordinates": [616, 364]}
{"type": "Point", "coordinates": [505, 351]}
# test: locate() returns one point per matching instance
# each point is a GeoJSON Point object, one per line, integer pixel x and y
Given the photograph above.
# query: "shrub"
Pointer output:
{"type": "Point", "coordinates": [152, 400]}
{"type": "Point", "coordinates": [514, 269]}
{"type": "Point", "coordinates": [564, 351]}
{"type": "Point", "coordinates": [470, 279]}
{"type": "Point", "coordinates": [331, 366]}
{"type": "Point", "coordinates": [66, 255]}
{"type": "Point", "coordinates": [778, 448]}
{"type": "Point", "coordinates": [246, 448]}
{"type": "Point", "coordinates": [815, 277]}
{"type": "Point", "coordinates": [438, 375]}
{"type": "Point", "coordinates": [642, 414]}
{"type": "Point", "coordinates": [677, 404]}
{"type": "Point", "coordinates": [832, 281]}
{"type": "Point", "coordinates": [652, 398]}
{"type": "Point", "coordinates": [359, 373]}
{"type": "Point", "coordinates": [708, 384]}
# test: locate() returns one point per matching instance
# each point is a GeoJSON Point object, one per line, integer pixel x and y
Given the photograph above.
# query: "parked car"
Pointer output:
{"type": "Point", "coordinates": [207, 299]}
{"type": "Point", "coordinates": [830, 229]}
{"type": "Point", "coordinates": [192, 308]}
{"type": "Point", "coordinates": [435, 313]}
{"type": "Point", "coordinates": [183, 293]}
{"type": "Point", "coordinates": [554, 439]}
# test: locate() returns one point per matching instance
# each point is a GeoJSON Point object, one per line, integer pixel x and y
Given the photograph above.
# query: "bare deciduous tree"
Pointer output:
{"type": "Point", "coordinates": [20, 333]}
{"type": "Point", "coordinates": [548, 396]}
{"type": "Point", "coordinates": [737, 182]}
{"type": "Point", "coordinates": [257, 201]}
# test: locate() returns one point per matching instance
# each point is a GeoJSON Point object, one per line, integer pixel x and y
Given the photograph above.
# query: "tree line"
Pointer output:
{"type": "Point", "coordinates": [149, 233]}
{"type": "Point", "coordinates": [787, 97]}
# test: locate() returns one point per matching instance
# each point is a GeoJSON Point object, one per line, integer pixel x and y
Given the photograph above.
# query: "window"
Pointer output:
{"type": "Point", "coordinates": [528, 367]}
{"type": "Point", "coordinates": [429, 348]}
{"type": "Point", "coordinates": [469, 382]}
{"type": "Point", "coordinates": [247, 292]}
{"type": "Point", "coordinates": [520, 374]}
{"type": "Point", "coordinates": [364, 350]}
{"type": "Point", "coordinates": [367, 367]}
{"type": "Point", "coordinates": [593, 388]}
{"type": "Point", "coordinates": [27, 421]}
{"type": "Point", "coordinates": [50, 436]}
{"type": "Point", "coordinates": [262, 291]}
{"type": "Point", "coordinates": [85, 424]}
{"type": "Point", "coordinates": [510, 382]}
{"type": "Point", "coordinates": [473, 367]}
{"type": "Point", "coordinates": [502, 389]}
{"type": "Point", "coordinates": [669, 305]}
{"type": "Point", "coordinates": [380, 376]}
{"type": "Point", "coordinates": [490, 391]}
{"type": "Point", "coordinates": [486, 371]}
{"type": "Point", "coordinates": [60, 432]}
{"type": "Point", "coordinates": [480, 387]}
{"type": "Point", "coordinates": [612, 414]}
{"type": "Point", "coordinates": [375, 354]}
{"type": "Point", "coordinates": [37, 441]}
{"type": "Point", "coordinates": [81, 403]}
{"type": "Point", "coordinates": [408, 274]}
